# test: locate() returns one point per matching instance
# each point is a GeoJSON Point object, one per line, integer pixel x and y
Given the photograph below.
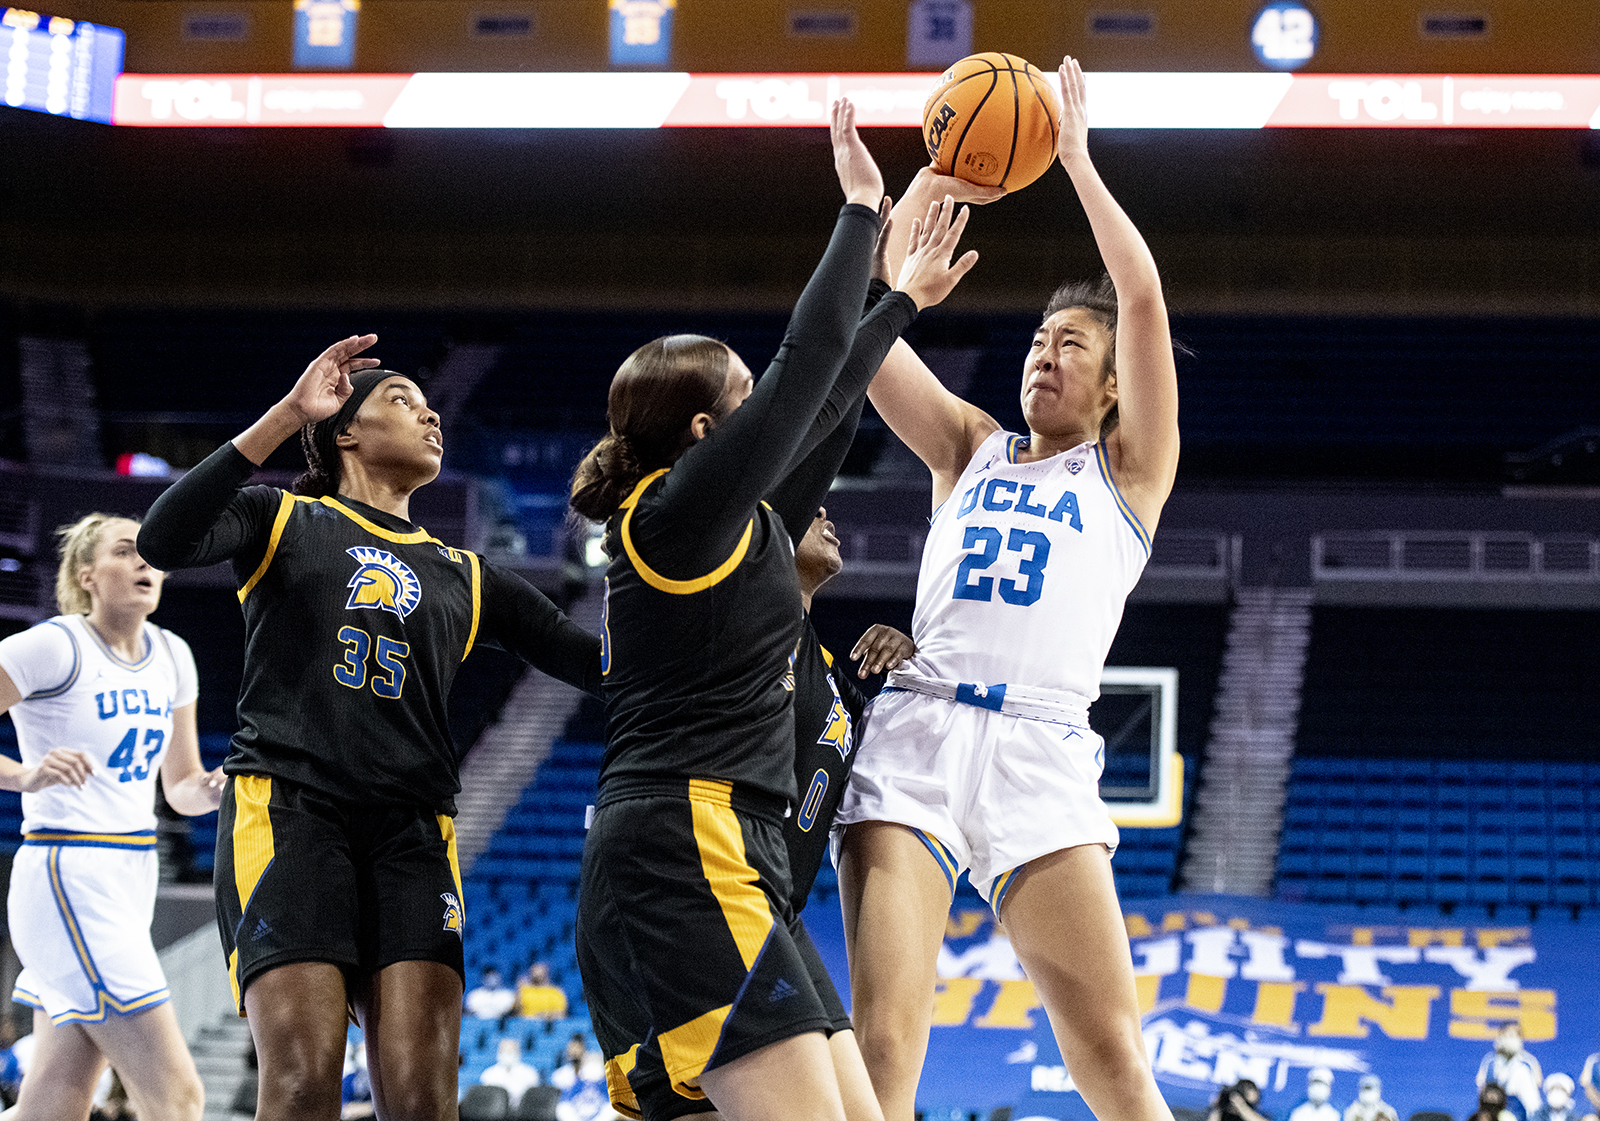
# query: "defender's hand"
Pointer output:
{"type": "Point", "coordinates": [881, 648]}
{"type": "Point", "coordinates": [858, 171]}
{"type": "Point", "coordinates": [928, 275]}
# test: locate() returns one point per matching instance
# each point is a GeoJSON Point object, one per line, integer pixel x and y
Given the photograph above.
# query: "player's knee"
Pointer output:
{"type": "Point", "coordinates": [1114, 1055]}
{"type": "Point", "coordinates": [185, 1099]}
{"type": "Point", "coordinates": [889, 1046]}
{"type": "Point", "coordinates": [300, 1085]}
{"type": "Point", "coordinates": [417, 1096]}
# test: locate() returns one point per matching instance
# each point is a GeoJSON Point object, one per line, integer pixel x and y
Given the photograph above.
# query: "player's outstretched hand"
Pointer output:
{"type": "Point", "coordinates": [325, 385]}
{"type": "Point", "coordinates": [881, 269]}
{"type": "Point", "coordinates": [881, 648]}
{"type": "Point", "coordinates": [930, 184]}
{"type": "Point", "coordinates": [928, 275]}
{"type": "Point", "coordinates": [1072, 142]}
{"type": "Point", "coordinates": [858, 171]}
{"type": "Point", "coordinates": [61, 766]}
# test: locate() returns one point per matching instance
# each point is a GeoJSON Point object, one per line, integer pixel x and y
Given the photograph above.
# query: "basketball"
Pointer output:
{"type": "Point", "coordinates": [992, 120]}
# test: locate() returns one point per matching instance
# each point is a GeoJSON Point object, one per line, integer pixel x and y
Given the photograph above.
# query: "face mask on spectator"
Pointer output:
{"type": "Point", "coordinates": [1317, 1092]}
{"type": "Point", "coordinates": [1369, 1095]}
{"type": "Point", "coordinates": [1508, 1044]}
{"type": "Point", "coordinates": [1558, 1098]}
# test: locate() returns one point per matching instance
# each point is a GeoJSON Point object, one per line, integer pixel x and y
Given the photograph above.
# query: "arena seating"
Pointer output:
{"type": "Point", "coordinates": [1445, 756]}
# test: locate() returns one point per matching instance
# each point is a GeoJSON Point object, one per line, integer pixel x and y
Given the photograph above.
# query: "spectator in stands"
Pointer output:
{"type": "Point", "coordinates": [537, 998]}
{"type": "Point", "coordinates": [586, 1099]}
{"type": "Point", "coordinates": [355, 1087]}
{"type": "Point", "coordinates": [493, 999]}
{"type": "Point", "coordinates": [509, 1071]}
{"type": "Point", "coordinates": [1369, 1104]}
{"type": "Point", "coordinates": [573, 1057]}
{"type": "Point", "coordinates": [1238, 1102]}
{"type": "Point", "coordinates": [1591, 1071]}
{"type": "Point", "coordinates": [1514, 1069]}
{"type": "Point", "coordinates": [1558, 1104]}
{"type": "Point", "coordinates": [1492, 1104]}
{"type": "Point", "coordinates": [1317, 1107]}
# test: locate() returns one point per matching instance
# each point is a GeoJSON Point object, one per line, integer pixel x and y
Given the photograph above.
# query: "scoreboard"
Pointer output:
{"type": "Point", "coordinates": [57, 65]}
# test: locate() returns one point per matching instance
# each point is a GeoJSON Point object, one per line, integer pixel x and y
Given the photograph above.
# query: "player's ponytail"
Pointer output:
{"type": "Point", "coordinates": [321, 477]}
{"type": "Point", "coordinates": [655, 395]}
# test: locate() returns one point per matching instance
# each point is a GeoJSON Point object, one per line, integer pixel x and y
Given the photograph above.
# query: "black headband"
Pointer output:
{"type": "Point", "coordinates": [325, 431]}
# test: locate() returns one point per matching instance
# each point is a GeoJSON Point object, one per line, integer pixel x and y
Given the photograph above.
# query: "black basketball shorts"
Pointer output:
{"type": "Point", "coordinates": [301, 877]}
{"type": "Point", "coordinates": [684, 943]}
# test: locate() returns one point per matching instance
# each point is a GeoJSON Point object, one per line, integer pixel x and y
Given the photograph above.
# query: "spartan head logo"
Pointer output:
{"type": "Point", "coordinates": [383, 582]}
{"type": "Point", "coordinates": [452, 913]}
{"type": "Point", "coordinates": [837, 732]}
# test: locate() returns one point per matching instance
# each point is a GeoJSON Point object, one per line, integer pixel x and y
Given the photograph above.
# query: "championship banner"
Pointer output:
{"type": "Point", "coordinates": [1235, 988]}
{"type": "Point", "coordinates": [666, 100]}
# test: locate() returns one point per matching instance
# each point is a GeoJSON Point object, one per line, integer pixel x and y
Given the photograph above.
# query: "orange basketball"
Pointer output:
{"type": "Point", "coordinates": [992, 120]}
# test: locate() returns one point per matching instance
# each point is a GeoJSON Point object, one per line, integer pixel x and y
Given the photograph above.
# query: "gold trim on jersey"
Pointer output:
{"type": "Point", "coordinates": [735, 884]}
{"type": "Point", "coordinates": [623, 1097]}
{"type": "Point", "coordinates": [655, 579]}
{"type": "Point", "coordinates": [284, 507]}
{"type": "Point", "coordinates": [415, 537]}
{"type": "Point", "coordinates": [252, 852]}
{"type": "Point", "coordinates": [447, 830]}
{"type": "Point", "coordinates": [477, 605]}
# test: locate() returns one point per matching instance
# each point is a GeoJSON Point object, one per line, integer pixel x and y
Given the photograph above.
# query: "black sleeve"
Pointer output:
{"type": "Point", "coordinates": [797, 497]}
{"type": "Point", "coordinates": [521, 620]}
{"type": "Point", "coordinates": [206, 517]}
{"type": "Point", "coordinates": [704, 504]}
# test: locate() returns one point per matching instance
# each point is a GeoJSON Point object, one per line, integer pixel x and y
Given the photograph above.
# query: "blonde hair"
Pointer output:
{"type": "Point", "coordinates": [78, 543]}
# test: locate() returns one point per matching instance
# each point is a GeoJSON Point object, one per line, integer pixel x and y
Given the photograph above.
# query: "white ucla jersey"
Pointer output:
{"type": "Point", "coordinates": [78, 694]}
{"type": "Point", "coordinates": [1025, 571]}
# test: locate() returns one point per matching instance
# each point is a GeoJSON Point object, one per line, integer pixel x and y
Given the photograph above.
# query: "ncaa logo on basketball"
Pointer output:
{"type": "Point", "coordinates": [452, 913]}
{"type": "Point", "coordinates": [384, 582]}
{"type": "Point", "coordinates": [937, 126]}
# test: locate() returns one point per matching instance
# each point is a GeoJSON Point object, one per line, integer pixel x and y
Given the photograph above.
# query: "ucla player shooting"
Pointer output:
{"type": "Point", "coordinates": [337, 881]}
{"type": "Point", "coordinates": [103, 702]}
{"type": "Point", "coordinates": [1035, 542]}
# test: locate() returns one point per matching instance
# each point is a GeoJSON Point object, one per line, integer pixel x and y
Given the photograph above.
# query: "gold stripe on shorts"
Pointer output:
{"type": "Point", "coordinates": [252, 850]}
{"type": "Point", "coordinates": [623, 1098]}
{"type": "Point", "coordinates": [687, 1048]}
{"type": "Point", "coordinates": [734, 883]}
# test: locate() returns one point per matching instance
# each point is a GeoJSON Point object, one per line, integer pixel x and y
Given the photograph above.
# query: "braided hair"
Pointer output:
{"type": "Point", "coordinates": [319, 439]}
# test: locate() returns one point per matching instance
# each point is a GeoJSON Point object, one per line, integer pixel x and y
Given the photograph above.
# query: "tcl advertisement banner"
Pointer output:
{"type": "Point", "coordinates": [1235, 988]}
{"type": "Point", "coordinates": [657, 100]}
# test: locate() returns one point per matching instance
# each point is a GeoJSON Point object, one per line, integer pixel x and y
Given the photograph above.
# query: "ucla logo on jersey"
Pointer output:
{"type": "Point", "coordinates": [383, 582]}
{"type": "Point", "coordinates": [837, 732]}
{"type": "Point", "coordinates": [453, 920]}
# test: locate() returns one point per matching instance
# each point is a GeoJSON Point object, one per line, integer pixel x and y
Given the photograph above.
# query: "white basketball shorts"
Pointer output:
{"type": "Point", "coordinates": [986, 791]}
{"type": "Point", "coordinates": [80, 920]}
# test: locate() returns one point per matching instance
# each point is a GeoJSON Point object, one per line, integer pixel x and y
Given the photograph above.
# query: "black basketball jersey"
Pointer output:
{"type": "Point", "coordinates": [827, 731]}
{"type": "Point", "coordinates": [696, 669]}
{"type": "Point", "coordinates": [353, 634]}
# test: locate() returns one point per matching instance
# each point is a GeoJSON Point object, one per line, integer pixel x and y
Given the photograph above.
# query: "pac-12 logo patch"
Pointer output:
{"type": "Point", "coordinates": [383, 582]}
{"type": "Point", "coordinates": [1074, 466]}
{"type": "Point", "coordinates": [452, 913]}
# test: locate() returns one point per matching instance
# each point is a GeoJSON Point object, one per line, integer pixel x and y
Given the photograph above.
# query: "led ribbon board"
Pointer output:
{"type": "Point", "coordinates": [665, 100]}
{"type": "Point", "coordinates": [56, 65]}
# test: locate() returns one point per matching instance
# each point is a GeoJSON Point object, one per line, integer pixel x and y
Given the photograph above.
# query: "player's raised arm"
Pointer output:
{"type": "Point", "coordinates": [1144, 447]}
{"type": "Point", "coordinates": [196, 520]}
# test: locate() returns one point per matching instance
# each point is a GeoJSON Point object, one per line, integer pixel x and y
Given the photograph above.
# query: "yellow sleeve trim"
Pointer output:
{"type": "Point", "coordinates": [826, 655]}
{"type": "Point", "coordinates": [272, 544]}
{"type": "Point", "coordinates": [654, 578]}
{"type": "Point", "coordinates": [477, 602]}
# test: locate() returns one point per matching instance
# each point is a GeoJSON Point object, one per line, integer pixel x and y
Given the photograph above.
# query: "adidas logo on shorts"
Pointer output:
{"type": "Point", "coordinates": [261, 930]}
{"type": "Point", "coordinates": [782, 991]}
